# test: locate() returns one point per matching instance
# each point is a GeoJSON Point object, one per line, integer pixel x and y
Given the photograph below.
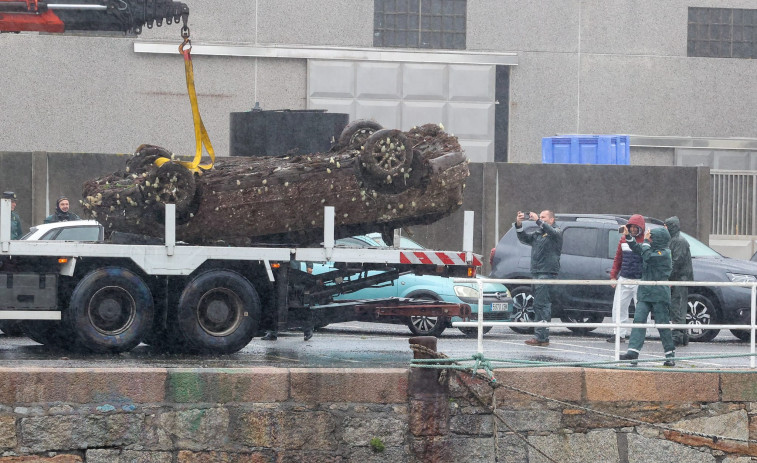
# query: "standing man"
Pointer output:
{"type": "Point", "coordinates": [626, 266]}
{"type": "Point", "coordinates": [17, 231]}
{"type": "Point", "coordinates": [546, 247]}
{"type": "Point", "coordinates": [682, 271]}
{"type": "Point", "coordinates": [62, 213]}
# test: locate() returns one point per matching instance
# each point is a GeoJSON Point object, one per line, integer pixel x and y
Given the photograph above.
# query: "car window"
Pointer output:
{"type": "Point", "coordinates": [612, 243]}
{"type": "Point", "coordinates": [579, 241]}
{"type": "Point", "coordinates": [351, 243]}
{"type": "Point", "coordinates": [78, 234]}
{"type": "Point", "coordinates": [699, 249]}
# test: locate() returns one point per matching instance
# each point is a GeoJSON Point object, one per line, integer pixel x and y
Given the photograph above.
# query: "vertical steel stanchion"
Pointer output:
{"type": "Point", "coordinates": [480, 316]}
{"type": "Point", "coordinates": [616, 315]}
{"type": "Point", "coordinates": [752, 328]}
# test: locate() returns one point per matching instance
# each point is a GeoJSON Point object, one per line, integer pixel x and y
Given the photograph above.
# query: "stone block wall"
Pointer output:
{"type": "Point", "coordinates": [333, 415]}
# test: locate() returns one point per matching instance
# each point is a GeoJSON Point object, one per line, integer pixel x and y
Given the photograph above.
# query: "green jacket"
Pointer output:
{"type": "Point", "coordinates": [546, 247]}
{"type": "Point", "coordinates": [656, 265]}
{"type": "Point", "coordinates": [679, 251]}
{"type": "Point", "coordinates": [17, 231]}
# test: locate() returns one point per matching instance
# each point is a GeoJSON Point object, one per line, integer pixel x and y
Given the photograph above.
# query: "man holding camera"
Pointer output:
{"type": "Point", "coordinates": [626, 266]}
{"type": "Point", "coordinates": [546, 247]}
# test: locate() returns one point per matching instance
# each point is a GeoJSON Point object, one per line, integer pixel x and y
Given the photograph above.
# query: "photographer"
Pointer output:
{"type": "Point", "coordinates": [626, 266]}
{"type": "Point", "coordinates": [546, 247]}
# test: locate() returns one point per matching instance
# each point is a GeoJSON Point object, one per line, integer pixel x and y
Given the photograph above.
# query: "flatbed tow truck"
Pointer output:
{"type": "Point", "coordinates": [105, 297]}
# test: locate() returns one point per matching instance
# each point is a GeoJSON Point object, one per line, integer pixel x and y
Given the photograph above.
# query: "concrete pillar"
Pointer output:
{"type": "Point", "coordinates": [39, 187]}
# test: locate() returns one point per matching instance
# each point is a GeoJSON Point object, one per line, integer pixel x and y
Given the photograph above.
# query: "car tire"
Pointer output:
{"type": "Point", "coordinates": [355, 134]}
{"type": "Point", "coordinates": [424, 325]}
{"type": "Point", "coordinates": [523, 308]}
{"type": "Point", "coordinates": [473, 332]}
{"type": "Point", "coordinates": [701, 311]}
{"type": "Point", "coordinates": [743, 335]}
{"type": "Point", "coordinates": [577, 317]}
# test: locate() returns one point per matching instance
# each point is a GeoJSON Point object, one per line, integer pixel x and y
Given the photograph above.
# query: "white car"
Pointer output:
{"type": "Point", "coordinates": [75, 230]}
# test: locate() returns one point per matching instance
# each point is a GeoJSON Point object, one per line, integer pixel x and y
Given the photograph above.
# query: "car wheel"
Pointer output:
{"type": "Point", "coordinates": [578, 317]}
{"type": "Point", "coordinates": [701, 311]}
{"type": "Point", "coordinates": [473, 332]}
{"type": "Point", "coordinates": [743, 335]}
{"type": "Point", "coordinates": [523, 308]}
{"type": "Point", "coordinates": [424, 325]}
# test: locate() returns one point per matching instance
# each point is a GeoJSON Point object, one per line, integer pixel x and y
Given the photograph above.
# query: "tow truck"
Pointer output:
{"type": "Point", "coordinates": [109, 297]}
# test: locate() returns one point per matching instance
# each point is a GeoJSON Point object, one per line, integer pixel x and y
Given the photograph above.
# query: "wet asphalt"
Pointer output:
{"type": "Point", "coordinates": [375, 345]}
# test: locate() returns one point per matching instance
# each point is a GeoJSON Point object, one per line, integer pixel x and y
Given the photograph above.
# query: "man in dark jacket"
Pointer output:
{"type": "Point", "coordinates": [657, 265]}
{"type": "Point", "coordinates": [62, 213]}
{"type": "Point", "coordinates": [546, 247]}
{"type": "Point", "coordinates": [626, 266]}
{"type": "Point", "coordinates": [17, 230]}
{"type": "Point", "coordinates": [682, 271]}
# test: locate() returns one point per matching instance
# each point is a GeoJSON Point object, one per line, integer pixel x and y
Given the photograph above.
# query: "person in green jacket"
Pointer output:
{"type": "Point", "coordinates": [656, 266]}
{"type": "Point", "coordinates": [17, 230]}
{"type": "Point", "coordinates": [546, 247]}
{"type": "Point", "coordinates": [682, 271]}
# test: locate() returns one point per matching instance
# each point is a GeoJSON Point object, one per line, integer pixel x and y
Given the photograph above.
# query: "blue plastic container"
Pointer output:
{"type": "Point", "coordinates": [586, 149]}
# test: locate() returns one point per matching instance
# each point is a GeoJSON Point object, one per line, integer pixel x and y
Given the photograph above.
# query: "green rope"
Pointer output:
{"type": "Point", "coordinates": [482, 363]}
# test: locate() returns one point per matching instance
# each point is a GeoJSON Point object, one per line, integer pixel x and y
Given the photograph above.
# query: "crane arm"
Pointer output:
{"type": "Point", "coordinates": [56, 16]}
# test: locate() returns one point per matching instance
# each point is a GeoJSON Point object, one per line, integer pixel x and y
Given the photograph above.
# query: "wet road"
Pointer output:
{"type": "Point", "coordinates": [367, 345]}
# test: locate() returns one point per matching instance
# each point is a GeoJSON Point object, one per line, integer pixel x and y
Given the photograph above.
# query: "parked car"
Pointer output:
{"type": "Point", "coordinates": [77, 230]}
{"type": "Point", "coordinates": [497, 302]}
{"type": "Point", "coordinates": [589, 245]}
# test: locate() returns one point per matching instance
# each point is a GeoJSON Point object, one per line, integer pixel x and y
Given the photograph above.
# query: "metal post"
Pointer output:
{"type": "Point", "coordinates": [752, 328]}
{"type": "Point", "coordinates": [480, 316]}
{"type": "Point", "coordinates": [328, 230]}
{"type": "Point", "coordinates": [170, 238]}
{"type": "Point", "coordinates": [468, 236]}
{"type": "Point", "coordinates": [616, 315]}
{"type": "Point", "coordinates": [5, 223]}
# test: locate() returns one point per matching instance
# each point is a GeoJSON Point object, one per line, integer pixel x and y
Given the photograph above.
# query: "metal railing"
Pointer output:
{"type": "Point", "coordinates": [480, 323]}
{"type": "Point", "coordinates": [734, 202]}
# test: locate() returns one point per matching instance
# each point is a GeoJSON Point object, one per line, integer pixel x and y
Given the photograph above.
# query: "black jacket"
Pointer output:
{"type": "Point", "coordinates": [679, 250]}
{"type": "Point", "coordinates": [546, 247]}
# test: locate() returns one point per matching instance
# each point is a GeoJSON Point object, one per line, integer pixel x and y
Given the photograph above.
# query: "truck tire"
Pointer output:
{"type": "Point", "coordinates": [52, 334]}
{"type": "Point", "coordinates": [218, 312]}
{"type": "Point", "coordinates": [111, 310]}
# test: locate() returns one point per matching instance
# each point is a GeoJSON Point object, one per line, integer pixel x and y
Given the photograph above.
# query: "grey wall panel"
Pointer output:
{"type": "Point", "coordinates": [543, 102]}
{"type": "Point", "coordinates": [515, 25]}
{"type": "Point", "coordinates": [281, 83]}
{"type": "Point", "coordinates": [316, 22]}
{"type": "Point", "coordinates": [471, 83]}
{"type": "Point", "coordinates": [336, 79]}
{"type": "Point", "coordinates": [668, 96]}
{"type": "Point", "coordinates": [634, 27]}
{"type": "Point", "coordinates": [425, 82]}
{"type": "Point", "coordinates": [377, 81]}
{"type": "Point", "coordinates": [213, 21]}
{"type": "Point", "coordinates": [387, 113]}
{"type": "Point", "coordinates": [652, 156]}
{"type": "Point", "coordinates": [415, 113]}
{"type": "Point", "coordinates": [15, 175]}
{"type": "Point", "coordinates": [717, 159]}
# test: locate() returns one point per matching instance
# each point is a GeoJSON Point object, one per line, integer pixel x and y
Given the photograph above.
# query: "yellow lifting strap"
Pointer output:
{"type": "Point", "coordinates": [201, 135]}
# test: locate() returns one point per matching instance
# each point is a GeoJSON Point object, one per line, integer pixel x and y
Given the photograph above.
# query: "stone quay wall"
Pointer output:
{"type": "Point", "coordinates": [266, 415]}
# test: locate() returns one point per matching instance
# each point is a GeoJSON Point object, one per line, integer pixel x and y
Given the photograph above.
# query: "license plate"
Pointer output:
{"type": "Point", "coordinates": [499, 307]}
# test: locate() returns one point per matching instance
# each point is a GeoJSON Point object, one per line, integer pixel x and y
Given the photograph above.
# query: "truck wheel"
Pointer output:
{"type": "Point", "coordinates": [111, 310]}
{"type": "Point", "coordinates": [11, 327]}
{"type": "Point", "coordinates": [355, 134]}
{"type": "Point", "coordinates": [52, 334]}
{"type": "Point", "coordinates": [218, 312]}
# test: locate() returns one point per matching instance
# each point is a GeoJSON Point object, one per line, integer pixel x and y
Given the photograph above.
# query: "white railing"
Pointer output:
{"type": "Point", "coordinates": [481, 323]}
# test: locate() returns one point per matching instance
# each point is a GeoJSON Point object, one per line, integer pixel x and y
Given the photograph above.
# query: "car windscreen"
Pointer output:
{"type": "Point", "coordinates": [75, 234]}
{"type": "Point", "coordinates": [699, 249]}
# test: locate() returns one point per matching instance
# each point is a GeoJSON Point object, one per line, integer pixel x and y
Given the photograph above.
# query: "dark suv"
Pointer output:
{"type": "Point", "coordinates": [589, 245]}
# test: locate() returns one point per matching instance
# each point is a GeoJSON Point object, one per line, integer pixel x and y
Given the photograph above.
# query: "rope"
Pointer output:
{"type": "Point", "coordinates": [201, 134]}
{"type": "Point", "coordinates": [422, 363]}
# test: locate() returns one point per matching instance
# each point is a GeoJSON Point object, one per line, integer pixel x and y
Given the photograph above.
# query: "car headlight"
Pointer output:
{"type": "Point", "coordinates": [466, 291]}
{"type": "Point", "coordinates": [741, 278]}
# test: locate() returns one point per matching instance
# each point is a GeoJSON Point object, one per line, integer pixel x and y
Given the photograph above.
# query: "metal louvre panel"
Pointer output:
{"type": "Point", "coordinates": [734, 198]}
{"type": "Point", "coordinates": [403, 95]}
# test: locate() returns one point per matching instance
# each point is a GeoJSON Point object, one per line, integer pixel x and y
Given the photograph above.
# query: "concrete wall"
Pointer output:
{"type": "Point", "coordinates": [584, 66]}
{"type": "Point", "coordinates": [70, 415]}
